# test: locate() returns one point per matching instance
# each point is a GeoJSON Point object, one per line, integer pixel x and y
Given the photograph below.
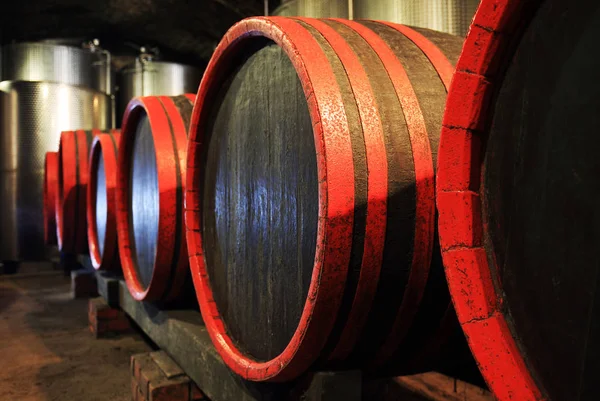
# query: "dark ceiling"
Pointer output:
{"type": "Point", "coordinates": [184, 30]}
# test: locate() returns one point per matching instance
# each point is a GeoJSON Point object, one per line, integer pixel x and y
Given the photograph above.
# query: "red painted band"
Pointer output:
{"type": "Point", "coordinates": [80, 231]}
{"type": "Point", "coordinates": [67, 180]}
{"type": "Point", "coordinates": [336, 197]}
{"type": "Point", "coordinates": [105, 146]}
{"type": "Point", "coordinates": [170, 143]}
{"type": "Point", "coordinates": [159, 124]}
{"type": "Point", "coordinates": [180, 262]}
{"type": "Point", "coordinates": [425, 191]}
{"type": "Point", "coordinates": [445, 71]}
{"type": "Point", "coordinates": [72, 190]}
{"type": "Point", "coordinates": [50, 194]}
{"type": "Point", "coordinates": [477, 304]}
{"type": "Point", "coordinates": [377, 188]}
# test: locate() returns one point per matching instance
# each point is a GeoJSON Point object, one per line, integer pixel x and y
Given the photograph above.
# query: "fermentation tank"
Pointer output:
{"type": "Point", "coordinates": [452, 16]}
{"type": "Point", "coordinates": [148, 76]}
{"type": "Point", "coordinates": [323, 9]}
{"type": "Point", "coordinates": [287, 9]}
{"type": "Point", "coordinates": [314, 8]}
{"type": "Point", "coordinates": [46, 88]}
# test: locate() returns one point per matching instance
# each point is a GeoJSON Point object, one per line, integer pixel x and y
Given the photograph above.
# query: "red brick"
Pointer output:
{"type": "Point", "coordinates": [99, 329]}
{"type": "Point", "coordinates": [118, 325]}
{"type": "Point", "coordinates": [132, 365]}
{"type": "Point", "coordinates": [149, 373]}
{"type": "Point", "coordinates": [140, 395]}
{"type": "Point", "coordinates": [170, 390]}
{"type": "Point", "coordinates": [195, 393]}
{"type": "Point", "coordinates": [134, 389]}
{"type": "Point", "coordinates": [104, 320]}
{"type": "Point", "coordinates": [154, 384]}
{"type": "Point", "coordinates": [83, 284]}
{"type": "Point", "coordinates": [108, 313]}
{"type": "Point", "coordinates": [100, 310]}
{"type": "Point", "coordinates": [137, 362]}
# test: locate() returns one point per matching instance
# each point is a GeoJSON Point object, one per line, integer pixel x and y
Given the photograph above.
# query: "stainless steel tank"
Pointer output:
{"type": "Point", "coordinates": [287, 9]}
{"type": "Point", "coordinates": [146, 77]}
{"type": "Point", "coordinates": [49, 62]}
{"type": "Point", "coordinates": [324, 8]}
{"type": "Point", "coordinates": [45, 89]}
{"type": "Point", "coordinates": [314, 8]}
{"type": "Point", "coordinates": [452, 16]}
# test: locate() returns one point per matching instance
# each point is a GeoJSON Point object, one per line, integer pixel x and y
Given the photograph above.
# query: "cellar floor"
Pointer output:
{"type": "Point", "coordinates": [46, 349]}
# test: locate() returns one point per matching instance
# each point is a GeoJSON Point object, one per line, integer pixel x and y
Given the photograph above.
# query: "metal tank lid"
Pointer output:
{"type": "Point", "coordinates": [56, 60]}
{"type": "Point", "coordinates": [150, 58]}
{"type": "Point", "coordinates": [149, 75]}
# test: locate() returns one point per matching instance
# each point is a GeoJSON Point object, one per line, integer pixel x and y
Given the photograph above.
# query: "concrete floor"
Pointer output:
{"type": "Point", "coordinates": [46, 350]}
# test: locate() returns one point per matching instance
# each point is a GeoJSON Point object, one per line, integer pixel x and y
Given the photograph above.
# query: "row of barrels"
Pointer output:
{"type": "Point", "coordinates": [345, 195]}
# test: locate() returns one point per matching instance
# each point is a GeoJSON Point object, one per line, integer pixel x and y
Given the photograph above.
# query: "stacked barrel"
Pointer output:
{"type": "Point", "coordinates": [101, 201]}
{"type": "Point", "coordinates": [149, 203]}
{"type": "Point", "coordinates": [71, 202]}
{"type": "Point", "coordinates": [518, 195]}
{"type": "Point", "coordinates": [310, 201]}
{"type": "Point", "coordinates": [301, 189]}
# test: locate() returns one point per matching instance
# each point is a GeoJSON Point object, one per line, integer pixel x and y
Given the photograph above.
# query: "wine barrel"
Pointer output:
{"type": "Point", "coordinates": [101, 203]}
{"type": "Point", "coordinates": [73, 151]}
{"type": "Point", "coordinates": [518, 196]}
{"type": "Point", "coordinates": [310, 195]}
{"type": "Point", "coordinates": [50, 189]}
{"type": "Point", "coordinates": [150, 184]}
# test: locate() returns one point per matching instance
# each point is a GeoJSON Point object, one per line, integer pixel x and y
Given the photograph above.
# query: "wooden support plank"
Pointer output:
{"type": "Point", "coordinates": [108, 287]}
{"type": "Point", "coordinates": [182, 335]}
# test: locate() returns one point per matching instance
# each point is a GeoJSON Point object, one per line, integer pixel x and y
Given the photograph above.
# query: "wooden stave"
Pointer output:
{"type": "Point", "coordinates": [167, 284]}
{"type": "Point", "coordinates": [283, 367]}
{"type": "Point", "coordinates": [73, 177]}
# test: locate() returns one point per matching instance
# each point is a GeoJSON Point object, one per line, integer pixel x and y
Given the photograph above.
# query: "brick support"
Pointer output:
{"type": "Point", "coordinates": [156, 377]}
{"type": "Point", "coordinates": [105, 321]}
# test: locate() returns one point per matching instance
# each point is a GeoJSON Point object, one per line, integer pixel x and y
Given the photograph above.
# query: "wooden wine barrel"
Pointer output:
{"type": "Point", "coordinates": [50, 189]}
{"type": "Point", "coordinates": [151, 177]}
{"type": "Point", "coordinates": [518, 195]}
{"type": "Point", "coordinates": [310, 195]}
{"type": "Point", "coordinates": [101, 202]}
{"type": "Point", "coordinates": [73, 173]}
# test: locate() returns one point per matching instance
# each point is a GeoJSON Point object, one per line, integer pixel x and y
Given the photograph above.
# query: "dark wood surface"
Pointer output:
{"type": "Point", "coordinates": [397, 262]}
{"type": "Point", "coordinates": [541, 196]}
{"type": "Point", "coordinates": [261, 202]}
{"type": "Point", "coordinates": [435, 330]}
{"type": "Point", "coordinates": [360, 187]}
{"type": "Point", "coordinates": [72, 197]}
{"type": "Point", "coordinates": [448, 44]}
{"type": "Point", "coordinates": [144, 201]}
